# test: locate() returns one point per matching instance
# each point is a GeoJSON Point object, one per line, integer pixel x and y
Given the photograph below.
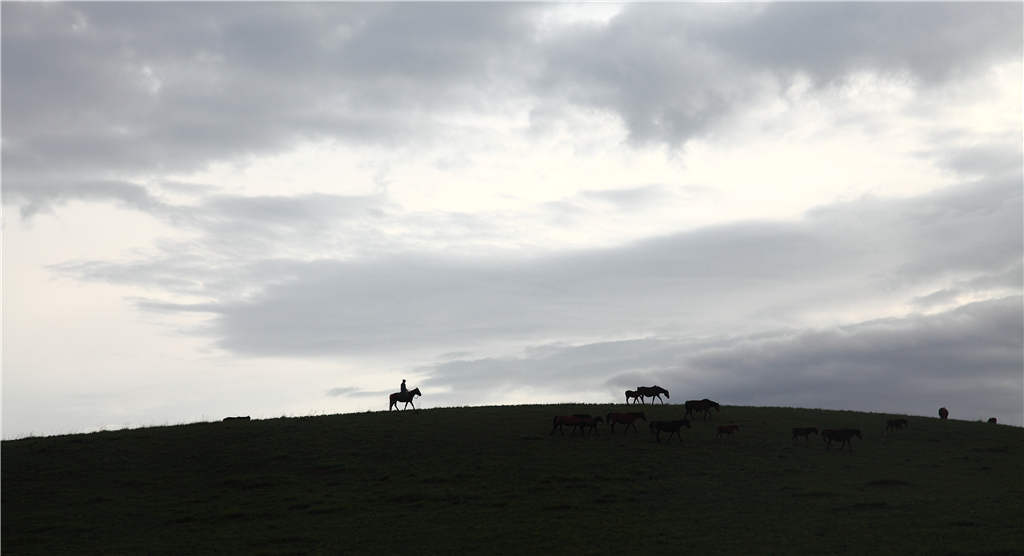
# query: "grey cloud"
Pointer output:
{"type": "Point", "coordinates": [43, 197]}
{"type": "Point", "coordinates": [99, 89]}
{"type": "Point", "coordinates": [740, 277]}
{"type": "Point", "coordinates": [674, 71]}
{"type": "Point", "coordinates": [629, 197]}
{"type": "Point", "coordinates": [139, 87]}
{"type": "Point", "coordinates": [969, 359]}
{"type": "Point", "coordinates": [931, 41]}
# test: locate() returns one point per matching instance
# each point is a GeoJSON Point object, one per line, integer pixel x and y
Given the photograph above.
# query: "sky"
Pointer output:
{"type": "Point", "coordinates": [269, 209]}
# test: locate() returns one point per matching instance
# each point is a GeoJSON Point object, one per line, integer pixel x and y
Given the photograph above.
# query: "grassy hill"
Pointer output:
{"type": "Point", "coordinates": [491, 479]}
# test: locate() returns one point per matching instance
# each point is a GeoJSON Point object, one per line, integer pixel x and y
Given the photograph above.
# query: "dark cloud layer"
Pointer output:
{"type": "Point", "coordinates": [957, 243]}
{"type": "Point", "coordinates": [112, 90]}
{"type": "Point", "coordinates": [674, 72]}
{"type": "Point", "coordinates": [969, 359]}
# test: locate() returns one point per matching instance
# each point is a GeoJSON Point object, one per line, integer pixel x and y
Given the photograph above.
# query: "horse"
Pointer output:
{"type": "Point", "coordinates": [840, 435]}
{"type": "Point", "coordinates": [726, 430]}
{"type": "Point", "coordinates": [671, 427]}
{"type": "Point", "coordinates": [406, 397]}
{"type": "Point", "coordinates": [992, 420]}
{"type": "Point", "coordinates": [702, 406]}
{"type": "Point", "coordinates": [627, 419]}
{"type": "Point", "coordinates": [895, 424]}
{"type": "Point", "coordinates": [578, 421]}
{"type": "Point", "coordinates": [651, 392]}
{"type": "Point", "coordinates": [633, 395]}
{"type": "Point", "coordinates": [589, 422]}
{"type": "Point", "coordinates": [804, 432]}
{"type": "Point", "coordinates": [943, 413]}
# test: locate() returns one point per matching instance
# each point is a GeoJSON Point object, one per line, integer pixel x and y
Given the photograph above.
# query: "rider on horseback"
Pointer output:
{"type": "Point", "coordinates": [404, 389]}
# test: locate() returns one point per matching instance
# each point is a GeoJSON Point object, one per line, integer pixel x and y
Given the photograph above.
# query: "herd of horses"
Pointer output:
{"type": "Point", "coordinates": [584, 423]}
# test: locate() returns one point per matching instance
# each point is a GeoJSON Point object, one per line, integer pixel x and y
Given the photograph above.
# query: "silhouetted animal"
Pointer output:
{"type": "Point", "coordinates": [589, 422]}
{"type": "Point", "coordinates": [577, 422]}
{"type": "Point", "coordinates": [943, 413]}
{"type": "Point", "coordinates": [805, 432]}
{"type": "Point", "coordinates": [895, 424]}
{"type": "Point", "coordinates": [671, 427]}
{"type": "Point", "coordinates": [726, 430]}
{"type": "Point", "coordinates": [246, 418]}
{"type": "Point", "coordinates": [701, 406]}
{"type": "Point", "coordinates": [992, 420]}
{"type": "Point", "coordinates": [842, 436]}
{"type": "Point", "coordinates": [651, 392]}
{"type": "Point", "coordinates": [633, 395]}
{"type": "Point", "coordinates": [627, 419]}
{"type": "Point", "coordinates": [403, 397]}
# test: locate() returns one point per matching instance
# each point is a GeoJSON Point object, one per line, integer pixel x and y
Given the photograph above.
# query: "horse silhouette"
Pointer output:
{"type": "Point", "coordinates": [943, 413]}
{"type": "Point", "coordinates": [627, 419]}
{"type": "Point", "coordinates": [671, 427]}
{"type": "Point", "coordinates": [895, 424]}
{"type": "Point", "coordinates": [804, 432]}
{"type": "Point", "coordinates": [578, 421]}
{"type": "Point", "coordinates": [726, 430]}
{"type": "Point", "coordinates": [633, 395]}
{"type": "Point", "coordinates": [651, 392]}
{"type": "Point", "coordinates": [406, 397]}
{"type": "Point", "coordinates": [701, 406]}
{"type": "Point", "coordinates": [842, 436]}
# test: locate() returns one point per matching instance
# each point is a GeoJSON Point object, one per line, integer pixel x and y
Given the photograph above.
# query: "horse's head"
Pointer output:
{"type": "Point", "coordinates": [415, 392]}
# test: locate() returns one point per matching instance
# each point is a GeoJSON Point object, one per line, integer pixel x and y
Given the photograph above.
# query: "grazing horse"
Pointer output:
{"type": "Point", "coordinates": [654, 392]}
{"type": "Point", "coordinates": [701, 406]}
{"type": "Point", "coordinates": [804, 432]}
{"type": "Point", "coordinates": [943, 413]}
{"type": "Point", "coordinates": [671, 427]}
{"type": "Point", "coordinates": [726, 430]}
{"type": "Point", "coordinates": [992, 420]}
{"type": "Point", "coordinates": [406, 397]}
{"type": "Point", "coordinates": [840, 435]}
{"type": "Point", "coordinates": [633, 395]}
{"type": "Point", "coordinates": [627, 419]}
{"type": "Point", "coordinates": [895, 424]}
{"type": "Point", "coordinates": [578, 422]}
{"type": "Point", "coordinates": [588, 423]}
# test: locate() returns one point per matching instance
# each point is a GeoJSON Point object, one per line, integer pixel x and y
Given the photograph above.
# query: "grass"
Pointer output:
{"type": "Point", "coordinates": [491, 479]}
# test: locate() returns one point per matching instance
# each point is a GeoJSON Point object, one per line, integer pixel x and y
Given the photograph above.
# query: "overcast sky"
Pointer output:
{"type": "Point", "coordinates": [285, 209]}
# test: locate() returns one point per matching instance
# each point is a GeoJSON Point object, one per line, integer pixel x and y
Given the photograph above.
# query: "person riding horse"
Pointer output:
{"type": "Point", "coordinates": [403, 389]}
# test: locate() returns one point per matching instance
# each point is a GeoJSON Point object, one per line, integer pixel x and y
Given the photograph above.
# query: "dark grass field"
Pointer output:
{"type": "Point", "coordinates": [492, 480]}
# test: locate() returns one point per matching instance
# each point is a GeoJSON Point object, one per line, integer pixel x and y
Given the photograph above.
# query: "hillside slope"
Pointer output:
{"type": "Point", "coordinates": [492, 479]}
